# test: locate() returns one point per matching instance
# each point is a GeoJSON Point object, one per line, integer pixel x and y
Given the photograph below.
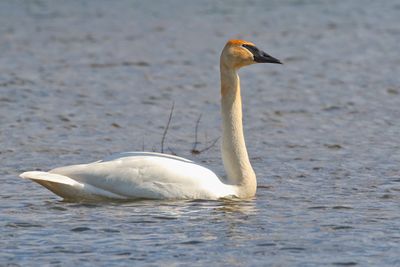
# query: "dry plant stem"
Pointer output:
{"type": "Point", "coordinates": [166, 127]}
{"type": "Point", "coordinates": [194, 150]}
{"type": "Point", "coordinates": [210, 146]}
{"type": "Point", "coordinates": [172, 152]}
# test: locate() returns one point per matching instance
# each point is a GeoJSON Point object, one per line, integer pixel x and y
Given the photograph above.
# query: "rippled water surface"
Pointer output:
{"type": "Point", "coordinates": [80, 80]}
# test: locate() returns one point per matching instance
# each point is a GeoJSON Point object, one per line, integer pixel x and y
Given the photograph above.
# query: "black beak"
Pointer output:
{"type": "Point", "coordinates": [263, 57]}
{"type": "Point", "coordinates": [260, 56]}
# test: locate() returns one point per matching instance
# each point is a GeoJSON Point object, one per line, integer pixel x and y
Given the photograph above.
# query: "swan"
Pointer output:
{"type": "Point", "coordinates": [147, 175]}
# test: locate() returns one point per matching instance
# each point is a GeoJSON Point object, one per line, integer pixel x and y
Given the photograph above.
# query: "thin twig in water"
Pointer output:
{"type": "Point", "coordinates": [171, 151]}
{"type": "Point", "coordinates": [194, 150]}
{"type": "Point", "coordinates": [210, 146]}
{"type": "Point", "coordinates": [166, 127]}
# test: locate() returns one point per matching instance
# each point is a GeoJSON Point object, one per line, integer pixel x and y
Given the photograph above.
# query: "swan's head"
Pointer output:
{"type": "Point", "coordinates": [240, 53]}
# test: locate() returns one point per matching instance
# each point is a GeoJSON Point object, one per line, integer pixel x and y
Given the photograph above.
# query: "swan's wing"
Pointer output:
{"type": "Point", "coordinates": [148, 176]}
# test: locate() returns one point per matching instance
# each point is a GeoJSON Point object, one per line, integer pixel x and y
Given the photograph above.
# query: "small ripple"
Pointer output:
{"type": "Point", "coordinates": [142, 221]}
{"type": "Point", "coordinates": [294, 249]}
{"type": "Point", "coordinates": [386, 196]}
{"type": "Point", "coordinates": [58, 208]}
{"type": "Point", "coordinates": [192, 242]}
{"type": "Point", "coordinates": [198, 201]}
{"type": "Point", "coordinates": [165, 218]}
{"type": "Point", "coordinates": [266, 245]}
{"type": "Point", "coordinates": [265, 186]}
{"type": "Point", "coordinates": [123, 254]}
{"type": "Point", "coordinates": [107, 230]}
{"type": "Point", "coordinates": [342, 227]}
{"type": "Point", "coordinates": [137, 259]}
{"type": "Point", "coordinates": [259, 253]}
{"type": "Point", "coordinates": [333, 146]}
{"type": "Point", "coordinates": [58, 249]}
{"type": "Point", "coordinates": [84, 205]}
{"type": "Point", "coordinates": [22, 225]}
{"type": "Point", "coordinates": [347, 263]}
{"type": "Point", "coordinates": [342, 208]}
{"type": "Point", "coordinates": [331, 108]}
{"type": "Point", "coordinates": [80, 229]}
{"type": "Point", "coordinates": [317, 207]}
{"type": "Point", "coordinates": [338, 227]}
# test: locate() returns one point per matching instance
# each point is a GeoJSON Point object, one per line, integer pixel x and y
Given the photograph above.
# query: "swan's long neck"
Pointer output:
{"type": "Point", "coordinates": [234, 153]}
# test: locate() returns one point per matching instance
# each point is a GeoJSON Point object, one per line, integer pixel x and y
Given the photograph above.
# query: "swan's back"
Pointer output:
{"type": "Point", "coordinates": [134, 175]}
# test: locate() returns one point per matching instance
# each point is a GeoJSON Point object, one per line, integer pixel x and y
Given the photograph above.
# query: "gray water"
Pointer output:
{"type": "Point", "coordinates": [80, 80]}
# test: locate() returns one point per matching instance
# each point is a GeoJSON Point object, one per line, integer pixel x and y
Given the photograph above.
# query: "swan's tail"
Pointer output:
{"type": "Point", "coordinates": [58, 184]}
{"type": "Point", "coordinates": [68, 188]}
{"type": "Point", "coordinates": [39, 177]}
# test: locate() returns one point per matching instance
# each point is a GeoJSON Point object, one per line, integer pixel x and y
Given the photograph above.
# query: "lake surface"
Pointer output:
{"type": "Point", "coordinates": [80, 80]}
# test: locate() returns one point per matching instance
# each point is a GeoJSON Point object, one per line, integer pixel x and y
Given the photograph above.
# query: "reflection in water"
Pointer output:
{"type": "Point", "coordinates": [244, 207]}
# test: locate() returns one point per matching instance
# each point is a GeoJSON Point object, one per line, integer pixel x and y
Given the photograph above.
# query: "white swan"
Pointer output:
{"type": "Point", "coordinates": [137, 175]}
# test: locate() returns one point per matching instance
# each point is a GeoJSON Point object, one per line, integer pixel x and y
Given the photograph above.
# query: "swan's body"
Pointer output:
{"type": "Point", "coordinates": [134, 175]}
{"type": "Point", "coordinates": [138, 175]}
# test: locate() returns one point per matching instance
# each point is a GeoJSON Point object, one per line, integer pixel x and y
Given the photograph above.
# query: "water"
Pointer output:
{"type": "Point", "coordinates": [80, 80]}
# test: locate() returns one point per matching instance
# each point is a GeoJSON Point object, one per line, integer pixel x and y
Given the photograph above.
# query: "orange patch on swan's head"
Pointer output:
{"type": "Point", "coordinates": [236, 55]}
{"type": "Point", "coordinates": [238, 42]}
